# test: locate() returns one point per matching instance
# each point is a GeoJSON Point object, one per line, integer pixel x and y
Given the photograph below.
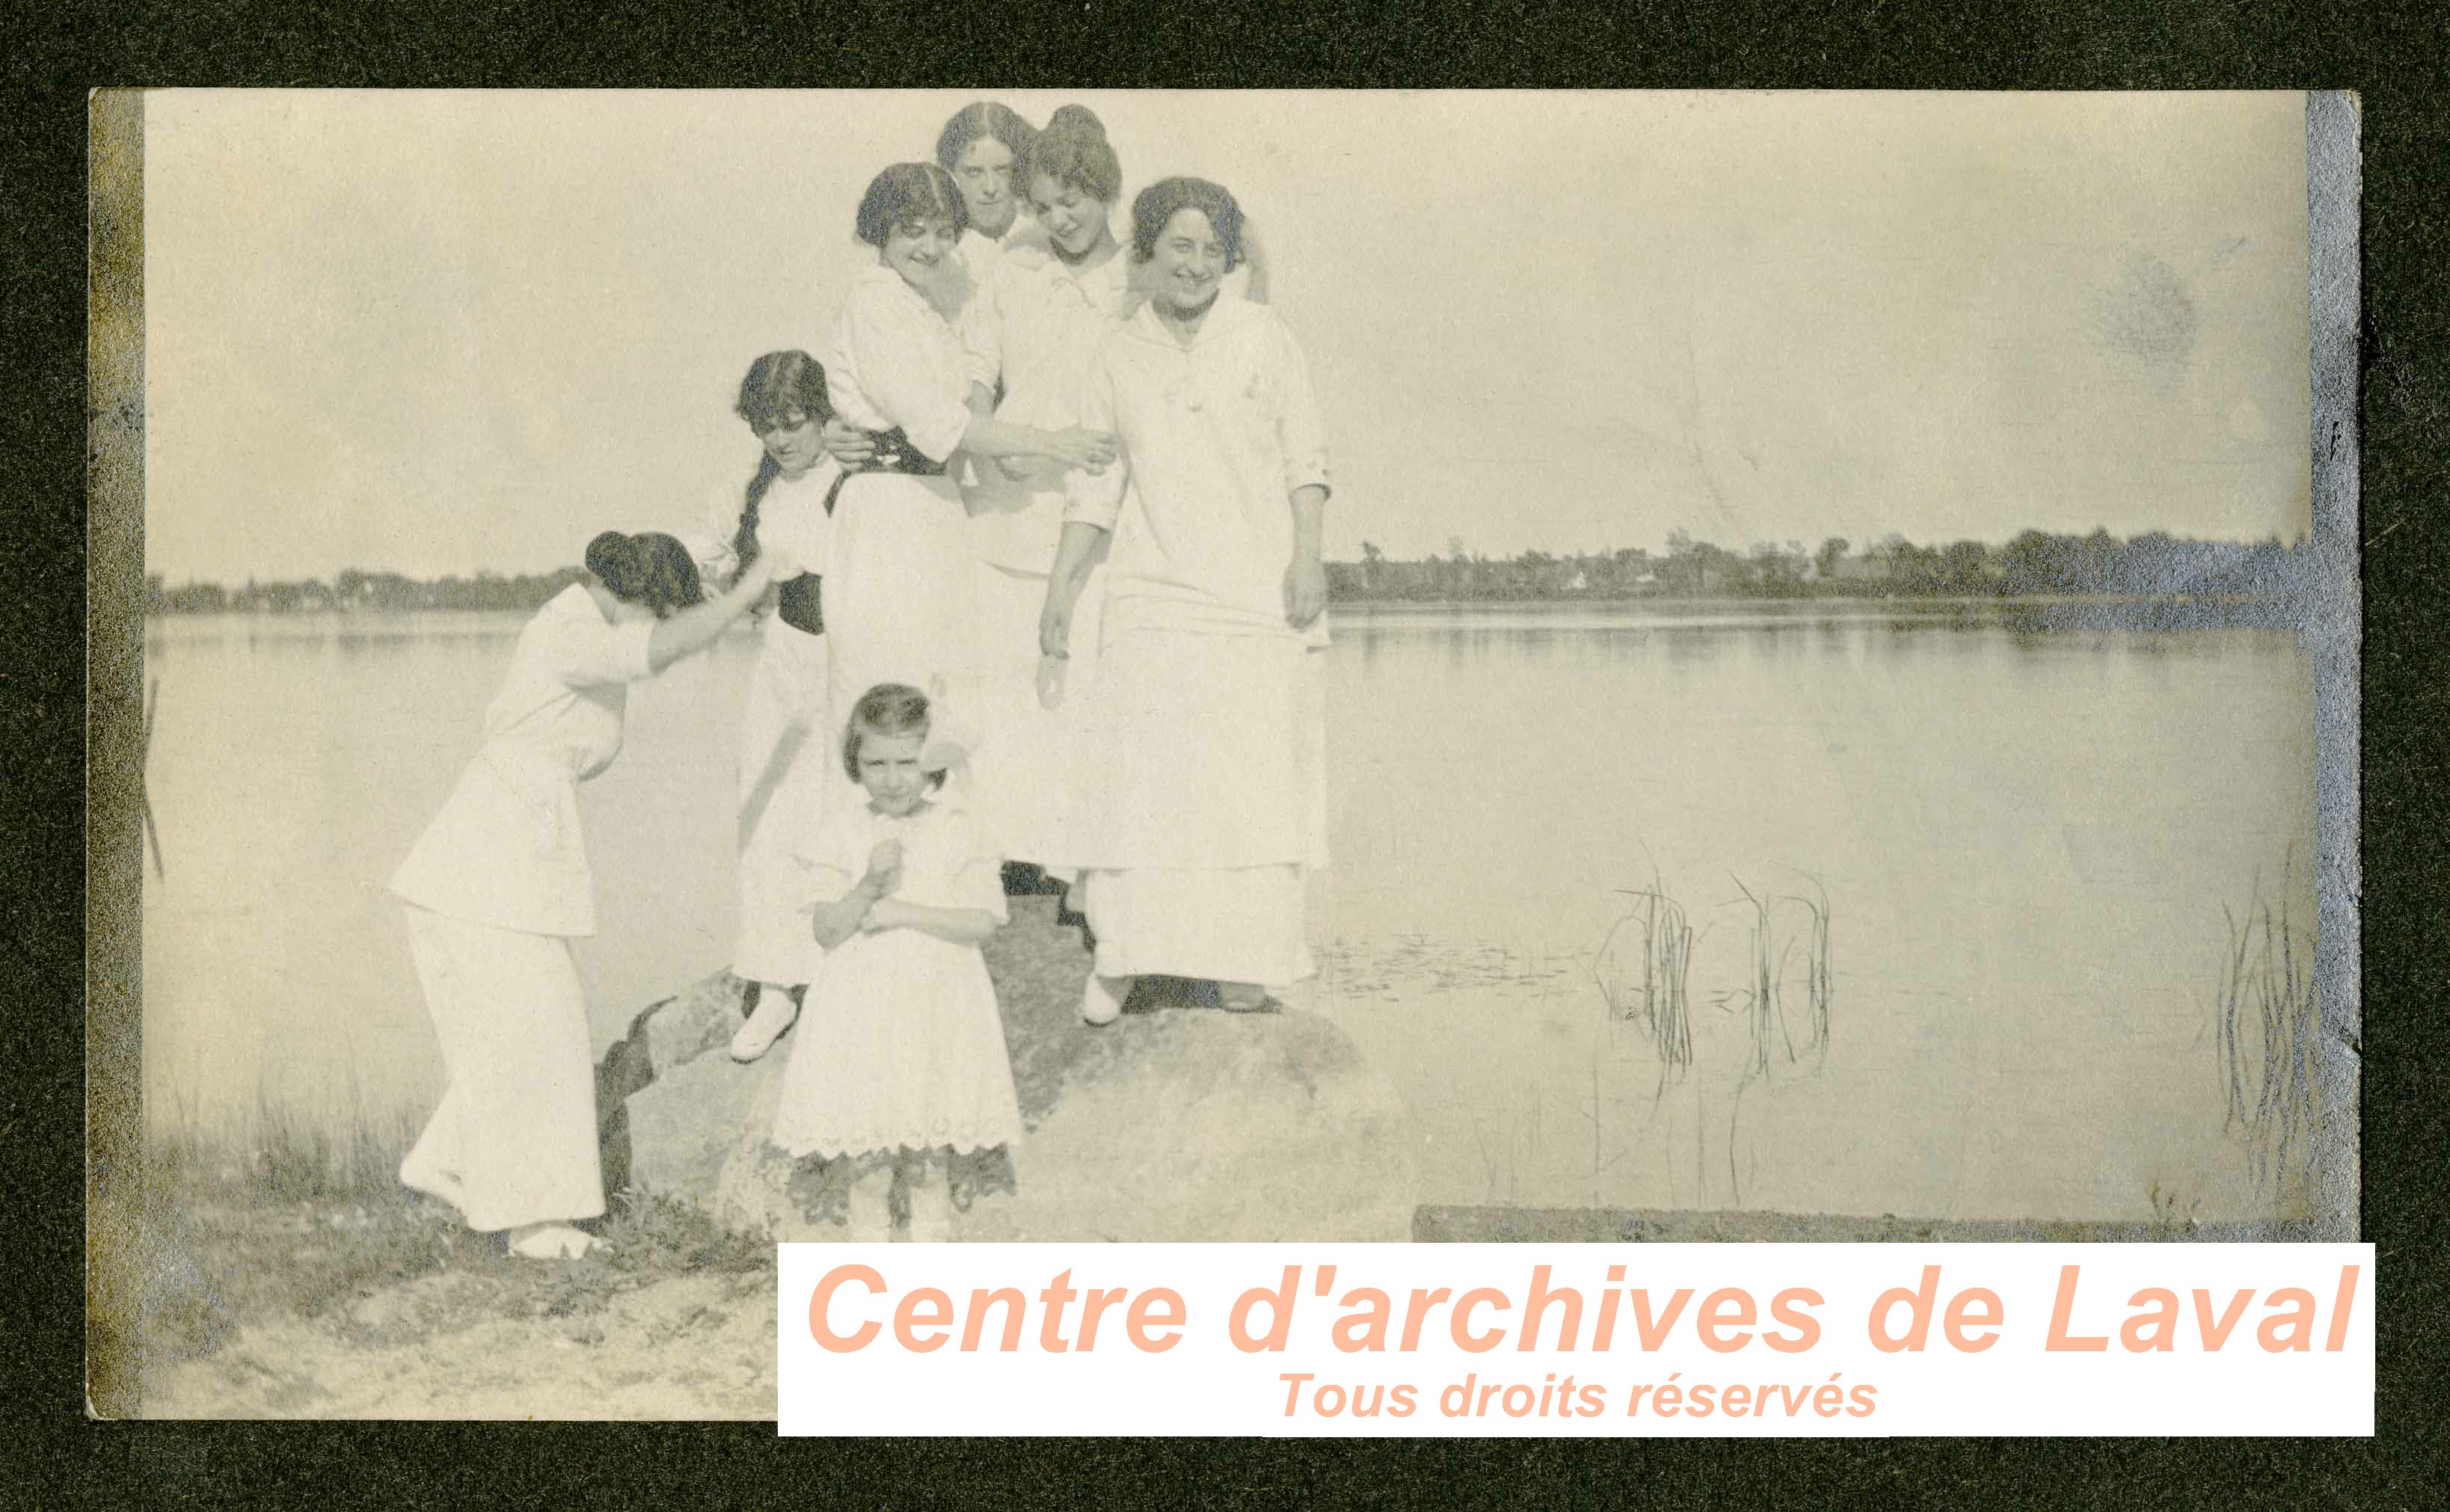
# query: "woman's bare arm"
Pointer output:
{"type": "Point", "coordinates": [699, 626]}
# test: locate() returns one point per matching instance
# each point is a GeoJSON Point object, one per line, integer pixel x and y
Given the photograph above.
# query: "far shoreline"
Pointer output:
{"type": "Point", "coordinates": [1900, 602]}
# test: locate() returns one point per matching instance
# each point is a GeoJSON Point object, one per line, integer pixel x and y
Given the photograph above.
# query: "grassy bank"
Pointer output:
{"type": "Point", "coordinates": [225, 1255]}
{"type": "Point", "coordinates": [281, 1215]}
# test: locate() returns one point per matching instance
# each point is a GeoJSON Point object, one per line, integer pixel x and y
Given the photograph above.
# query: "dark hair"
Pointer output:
{"type": "Point", "coordinates": [984, 119]}
{"type": "Point", "coordinates": [781, 382]}
{"type": "Point", "coordinates": [1073, 151]}
{"type": "Point", "coordinates": [778, 383]}
{"type": "Point", "coordinates": [889, 709]}
{"type": "Point", "coordinates": [909, 191]}
{"type": "Point", "coordinates": [1160, 202]}
{"type": "Point", "coordinates": [652, 568]}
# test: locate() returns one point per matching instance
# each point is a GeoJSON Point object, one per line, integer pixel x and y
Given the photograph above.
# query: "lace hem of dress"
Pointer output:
{"type": "Point", "coordinates": [820, 1184]}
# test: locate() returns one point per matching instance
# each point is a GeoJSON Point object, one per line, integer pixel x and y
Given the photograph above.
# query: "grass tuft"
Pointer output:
{"type": "Point", "coordinates": [2268, 1017]}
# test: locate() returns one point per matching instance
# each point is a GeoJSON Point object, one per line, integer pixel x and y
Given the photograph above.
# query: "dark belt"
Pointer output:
{"type": "Point", "coordinates": [894, 453]}
{"type": "Point", "coordinates": [803, 607]}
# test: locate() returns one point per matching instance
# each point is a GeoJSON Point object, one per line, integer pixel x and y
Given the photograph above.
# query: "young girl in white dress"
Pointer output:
{"type": "Point", "coordinates": [787, 730]}
{"type": "Point", "coordinates": [906, 1074]}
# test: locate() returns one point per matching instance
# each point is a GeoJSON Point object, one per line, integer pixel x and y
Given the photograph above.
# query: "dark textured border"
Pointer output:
{"type": "Point", "coordinates": [2389, 52]}
{"type": "Point", "coordinates": [2333, 185]}
{"type": "Point", "coordinates": [114, 842]}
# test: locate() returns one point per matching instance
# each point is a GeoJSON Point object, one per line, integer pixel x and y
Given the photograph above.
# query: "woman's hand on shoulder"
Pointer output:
{"type": "Point", "coordinates": [847, 443]}
{"type": "Point", "coordinates": [1090, 451]}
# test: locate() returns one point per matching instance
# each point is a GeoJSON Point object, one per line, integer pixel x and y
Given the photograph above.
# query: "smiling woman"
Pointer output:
{"type": "Point", "coordinates": [1034, 336]}
{"type": "Point", "coordinates": [1201, 806]}
{"type": "Point", "coordinates": [901, 601]}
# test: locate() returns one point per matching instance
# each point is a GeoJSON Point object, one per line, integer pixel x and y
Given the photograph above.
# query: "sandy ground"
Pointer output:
{"type": "Point", "coordinates": [691, 1348]}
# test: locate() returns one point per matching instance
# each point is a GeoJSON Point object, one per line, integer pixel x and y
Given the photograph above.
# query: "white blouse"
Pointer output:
{"type": "Point", "coordinates": [1216, 436]}
{"type": "Point", "coordinates": [506, 848]}
{"type": "Point", "coordinates": [1038, 327]}
{"type": "Point", "coordinates": [792, 515]}
{"type": "Point", "coordinates": [894, 362]}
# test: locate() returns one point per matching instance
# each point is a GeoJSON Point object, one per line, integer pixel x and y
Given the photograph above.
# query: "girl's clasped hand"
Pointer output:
{"type": "Point", "coordinates": [883, 876]}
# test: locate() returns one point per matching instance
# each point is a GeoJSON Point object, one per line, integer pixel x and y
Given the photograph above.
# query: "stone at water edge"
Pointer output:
{"type": "Point", "coordinates": [1180, 1123]}
{"type": "Point", "coordinates": [696, 1130]}
{"type": "Point", "coordinates": [1201, 1125]}
{"type": "Point", "coordinates": [661, 1038]}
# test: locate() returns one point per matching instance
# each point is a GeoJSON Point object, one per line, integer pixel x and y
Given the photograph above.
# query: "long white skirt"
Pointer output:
{"type": "Point", "coordinates": [1022, 785]}
{"type": "Point", "coordinates": [1202, 800]}
{"type": "Point", "coordinates": [516, 1125]}
{"type": "Point", "coordinates": [790, 764]}
{"type": "Point", "coordinates": [1229, 924]}
{"type": "Point", "coordinates": [900, 596]}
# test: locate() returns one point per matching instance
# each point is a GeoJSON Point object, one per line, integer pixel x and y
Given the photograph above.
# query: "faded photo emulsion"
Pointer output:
{"type": "Point", "coordinates": [718, 668]}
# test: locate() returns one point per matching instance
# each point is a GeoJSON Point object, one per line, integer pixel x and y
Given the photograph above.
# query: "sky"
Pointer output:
{"type": "Point", "coordinates": [434, 333]}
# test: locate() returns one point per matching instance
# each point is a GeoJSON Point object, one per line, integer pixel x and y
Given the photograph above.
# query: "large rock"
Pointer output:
{"type": "Point", "coordinates": [1193, 1124]}
{"type": "Point", "coordinates": [1178, 1122]}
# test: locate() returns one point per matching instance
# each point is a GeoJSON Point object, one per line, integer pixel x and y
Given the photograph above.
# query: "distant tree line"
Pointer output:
{"type": "Point", "coordinates": [2034, 564]}
{"type": "Point", "coordinates": [358, 591]}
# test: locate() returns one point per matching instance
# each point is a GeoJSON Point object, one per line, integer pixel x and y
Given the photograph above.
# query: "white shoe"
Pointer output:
{"type": "Point", "coordinates": [775, 1012]}
{"type": "Point", "coordinates": [867, 1209]}
{"type": "Point", "coordinates": [1102, 1001]}
{"type": "Point", "coordinates": [1244, 998]}
{"type": "Point", "coordinates": [549, 1241]}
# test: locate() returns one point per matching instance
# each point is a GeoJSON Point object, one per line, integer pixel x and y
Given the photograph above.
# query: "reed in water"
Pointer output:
{"type": "Point", "coordinates": [2267, 1016]}
{"type": "Point", "coordinates": [1641, 971]}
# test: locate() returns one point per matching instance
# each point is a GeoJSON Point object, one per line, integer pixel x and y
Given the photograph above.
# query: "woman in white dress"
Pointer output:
{"type": "Point", "coordinates": [786, 735]}
{"type": "Point", "coordinates": [498, 885]}
{"type": "Point", "coordinates": [1034, 334]}
{"type": "Point", "coordinates": [1202, 806]}
{"type": "Point", "coordinates": [899, 595]}
{"type": "Point", "coordinates": [1043, 305]}
{"type": "Point", "coordinates": [901, 600]}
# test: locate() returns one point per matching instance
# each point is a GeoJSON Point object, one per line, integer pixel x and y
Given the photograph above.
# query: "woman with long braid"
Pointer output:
{"type": "Point", "coordinates": [785, 729]}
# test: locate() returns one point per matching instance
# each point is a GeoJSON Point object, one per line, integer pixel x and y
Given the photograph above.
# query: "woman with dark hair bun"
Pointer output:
{"type": "Point", "coordinates": [498, 885]}
{"type": "Point", "coordinates": [900, 600]}
{"type": "Point", "coordinates": [1200, 806]}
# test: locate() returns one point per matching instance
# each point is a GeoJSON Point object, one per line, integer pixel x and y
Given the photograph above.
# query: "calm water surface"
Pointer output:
{"type": "Point", "coordinates": [2025, 840]}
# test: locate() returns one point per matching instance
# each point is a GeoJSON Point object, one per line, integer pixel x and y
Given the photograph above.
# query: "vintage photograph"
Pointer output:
{"type": "Point", "coordinates": [725, 666]}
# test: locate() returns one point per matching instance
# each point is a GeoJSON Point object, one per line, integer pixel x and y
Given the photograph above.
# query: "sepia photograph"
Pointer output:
{"type": "Point", "coordinates": [724, 667]}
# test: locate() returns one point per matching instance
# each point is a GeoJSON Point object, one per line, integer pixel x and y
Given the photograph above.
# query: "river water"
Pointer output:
{"type": "Point", "coordinates": [2021, 841]}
